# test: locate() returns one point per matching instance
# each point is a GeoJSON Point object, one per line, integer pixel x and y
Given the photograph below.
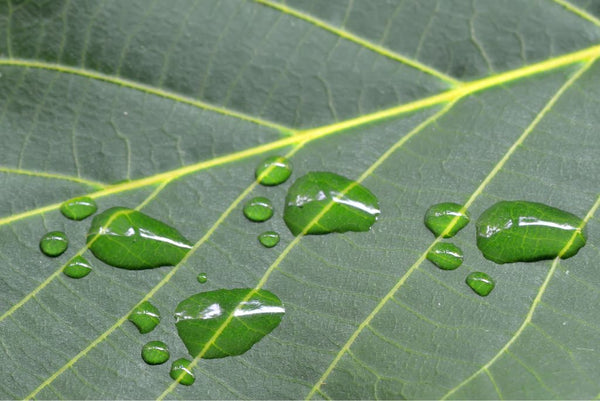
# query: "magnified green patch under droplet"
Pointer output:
{"type": "Point", "coordinates": [54, 243]}
{"type": "Point", "coordinates": [78, 267]}
{"type": "Point", "coordinates": [446, 256]}
{"type": "Point", "coordinates": [481, 283]}
{"type": "Point", "coordinates": [279, 170]}
{"type": "Point", "coordinates": [155, 353]}
{"type": "Point", "coordinates": [258, 209]}
{"type": "Point", "coordinates": [78, 208]}
{"type": "Point", "coordinates": [269, 239]}
{"type": "Point", "coordinates": [181, 368]}
{"type": "Point", "coordinates": [440, 216]}
{"type": "Point", "coordinates": [145, 317]}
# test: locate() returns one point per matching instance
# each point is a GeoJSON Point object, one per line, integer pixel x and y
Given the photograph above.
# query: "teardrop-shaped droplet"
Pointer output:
{"type": "Point", "coordinates": [145, 317]}
{"type": "Point", "coordinates": [54, 243]}
{"type": "Point", "coordinates": [522, 231]}
{"type": "Point", "coordinates": [202, 278]}
{"type": "Point", "coordinates": [155, 353]}
{"type": "Point", "coordinates": [244, 316]}
{"type": "Point", "coordinates": [180, 370]}
{"type": "Point", "coordinates": [321, 203]}
{"type": "Point", "coordinates": [481, 283]}
{"type": "Point", "coordinates": [446, 215]}
{"type": "Point", "coordinates": [77, 267]}
{"type": "Point", "coordinates": [446, 256]}
{"type": "Point", "coordinates": [129, 239]}
{"type": "Point", "coordinates": [258, 209]}
{"type": "Point", "coordinates": [273, 170]}
{"type": "Point", "coordinates": [269, 239]}
{"type": "Point", "coordinates": [79, 208]}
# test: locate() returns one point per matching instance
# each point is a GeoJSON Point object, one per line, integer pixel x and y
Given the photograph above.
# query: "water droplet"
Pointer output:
{"type": "Point", "coordinates": [269, 239]}
{"type": "Point", "coordinates": [247, 315]}
{"type": "Point", "coordinates": [54, 243]}
{"type": "Point", "coordinates": [280, 170]}
{"type": "Point", "coordinates": [446, 256]}
{"type": "Point", "coordinates": [481, 283]}
{"type": "Point", "coordinates": [78, 208]}
{"type": "Point", "coordinates": [155, 353]}
{"type": "Point", "coordinates": [438, 217]}
{"type": "Point", "coordinates": [521, 231]}
{"type": "Point", "coordinates": [323, 202]}
{"type": "Point", "coordinates": [145, 317]}
{"type": "Point", "coordinates": [258, 209]}
{"type": "Point", "coordinates": [130, 239]}
{"type": "Point", "coordinates": [78, 267]}
{"type": "Point", "coordinates": [179, 367]}
{"type": "Point", "coordinates": [202, 278]}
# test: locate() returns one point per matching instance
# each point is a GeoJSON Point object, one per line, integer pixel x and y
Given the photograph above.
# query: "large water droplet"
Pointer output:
{"type": "Point", "coordinates": [269, 239]}
{"type": "Point", "coordinates": [438, 217]}
{"type": "Point", "coordinates": [326, 202]}
{"type": "Point", "coordinates": [446, 256]}
{"type": "Point", "coordinates": [181, 368]}
{"type": "Point", "coordinates": [521, 231]}
{"type": "Point", "coordinates": [77, 267]}
{"type": "Point", "coordinates": [155, 353]}
{"type": "Point", "coordinates": [130, 239]}
{"type": "Point", "coordinates": [280, 170]}
{"type": "Point", "coordinates": [258, 209]}
{"type": "Point", "coordinates": [145, 317]}
{"type": "Point", "coordinates": [54, 243]}
{"type": "Point", "coordinates": [79, 208]}
{"type": "Point", "coordinates": [245, 316]}
{"type": "Point", "coordinates": [481, 283]}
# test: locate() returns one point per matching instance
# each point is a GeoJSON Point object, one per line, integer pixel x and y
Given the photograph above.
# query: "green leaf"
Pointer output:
{"type": "Point", "coordinates": [168, 108]}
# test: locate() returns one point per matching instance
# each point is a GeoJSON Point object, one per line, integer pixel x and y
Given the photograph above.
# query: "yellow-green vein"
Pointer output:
{"type": "Point", "coordinates": [89, 183]}
{"type": "Point", "coordinates": [579, 11]}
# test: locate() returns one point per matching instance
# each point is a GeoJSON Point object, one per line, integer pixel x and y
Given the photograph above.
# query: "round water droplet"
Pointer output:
{"type": "Point", "coordinates": [321, 203]}
{"type": "Point", "coordinates": [269, 239]}
{"type": "Point", "coordinates": [54, 243]}
{"type": "Point", "coordinates": [79, 208]}
{"type": "Point", "coordinates": [77, 267]}
{"type": "Point", "coordinates": [258, 209]}
{"type": "Point", "coordinates": [441, 216]}
{"type": "Point", "coordinates": [202, 278]}
{"type": "Point", "coordinates": [522, 231]}
{"type": "Point", "coordinates": [155, 353]}
{"type": "Point", "coordinates": [180, 368]}
{"type": "Point", "coordinates": [481, 283]}
{"type": "Point", "coordinates": [446, 256]}
{"type": "Point", "coordinates": [145, 317]}
{"type": "Point", "coordinates": [273, 170]}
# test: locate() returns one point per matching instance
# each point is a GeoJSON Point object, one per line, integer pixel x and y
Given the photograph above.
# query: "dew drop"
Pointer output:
{"type": "Point", "coordinates": [78, 267]}
{"type": "Point", "coordinates": [78, 208]}
{"type": "Point", "coordinates": [129, 239]}
{"type": "Point", "coordinates": [446, 256]}
{"type": "Point", "coordinates": [522, 231]}
{"type": "Point", "coordinates": [258, 209]}
{"type": "Point", "coordinates": [321, 203]}
{"type": "Point", "coordinates": [54, 243]}
{"type": "Point", "coordinates": [280, 170]}
{"type": "Point", "coordinates": [202, 278]}
{"type": "Point", "coordinates": [269, 239]}
{"type": "Point", "coordinates": [181, 368]}
{"type": "Point", "coordinates": [155, 353]}
{"type": "Point", "coordinates": [438, 217]}
{"type": "Point", "coordinates": [145, 317]}
{"type": "Point", "coordinates": [481, 283]}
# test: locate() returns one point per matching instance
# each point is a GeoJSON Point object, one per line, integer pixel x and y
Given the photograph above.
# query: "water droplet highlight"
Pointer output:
{"type": "Point", "coordinates": [145, 317]}
{"type": "Point", "coordinates": [179, 367]}
{"type": "Point", "coordinates": [54, 243]}
{"type": "Point", "coordinates": [481, 283]}
{"type": "Point", "coordinates": [249, 315]}
{"type": "Point", "coordinates": [129, 239]}
{"type": "Point", "coordinates": [327, 202]}
{"type": "Point", "coordinates": [522, 231]}
{"type": "Point", "coordinates": [438, 217]}
{"type": "Point", "coordinates": [258, 209]}
{"type": "Point", "coordinates": [202, 278]}
{"type": "Point", "coordinates": [78, 208]}
{"type": "Point", "coordinates": [78, 267]}
{"type": "Point", "coordinates": [155, 353]}
{"type": "Point", "coordinates": [280, 170]}
{"type": "Point", "coordinates": [269, 239]}
{"type": "Point", "coordinates": [446, 256]}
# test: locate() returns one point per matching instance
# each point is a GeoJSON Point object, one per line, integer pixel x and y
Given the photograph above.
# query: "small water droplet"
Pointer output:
{"type": "Point", "coordinates": [322, 203]}
{"type": "Point", "coordinates": [446, 256]}
{"type": "Point", "coordinates": [78, 208]}
{"type": "Point", "coordinates": [280, 170]}
{"type": "Point", "coordinates": [258, 209]}
{"type": "Point", "coordinates": [155, 353]}
{"type": "Point", "coordinates": [78, 267]}
{"type": "Point", "coordinates": [202, 278]}
{"type": "Point", "coordinates": [145, 317]}
{"type": "Point", "coordinates": [522, 231]}
{"type": "Point", "coordinates": [481, 283]}
{"type": "Point", "coordinates": [181, 368]}
{"type": "Point", "coordinates": [269, 239]}
{"type": "Point", "coordinates": [54, 243]}
{"type": "Point", "coordinates": [438, 217]}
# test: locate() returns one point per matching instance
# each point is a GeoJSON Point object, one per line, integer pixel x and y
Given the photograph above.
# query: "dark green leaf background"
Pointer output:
{"type": "Point", "coordinates": [168, 107]}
